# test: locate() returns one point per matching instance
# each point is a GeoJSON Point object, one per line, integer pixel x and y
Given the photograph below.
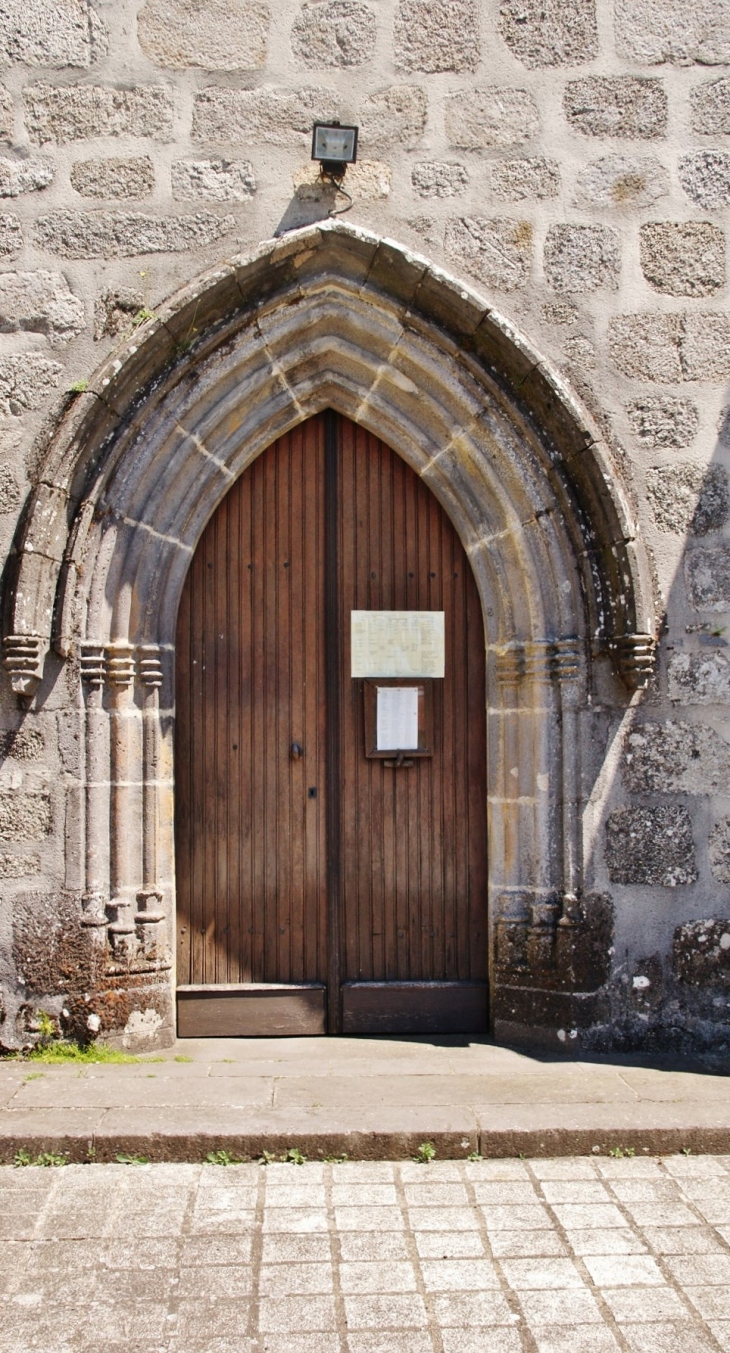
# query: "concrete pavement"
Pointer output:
{"type": "Point", "coordinates": [363, 1097]}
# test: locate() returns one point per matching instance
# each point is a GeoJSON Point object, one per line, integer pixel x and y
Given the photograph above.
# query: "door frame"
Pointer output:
{"type": "Point", "coordinates": [326, 317]}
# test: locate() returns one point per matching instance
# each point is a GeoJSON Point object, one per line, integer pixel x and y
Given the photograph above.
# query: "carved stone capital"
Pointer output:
{"type": "Point", "coordinates": [635, 655]}
{"type": "Point", "coordinates": [540, 660]}
{"type": "Point", "coordinates": [93, 664]}
{"type": "Point", "coordinates": [23, 660]}
{"type": "Point", "coordinates": [120, 664]}
{"type": "Point", "coordinates": [150, 665]}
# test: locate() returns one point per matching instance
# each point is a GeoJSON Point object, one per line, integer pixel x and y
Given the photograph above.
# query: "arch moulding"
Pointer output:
{"type": "Point", "coordinates": [329, 316]}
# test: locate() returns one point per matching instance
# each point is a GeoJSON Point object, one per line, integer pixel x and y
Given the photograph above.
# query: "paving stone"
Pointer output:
{"type": "Point", "coordinates": [377, 1276]}
{"type": "Point", "coordinates": [495, 1191]}
{"type": "Point", "coordinates": [710, 107]}
{"type": "Point", "coordinates": [435, 1195]}
{"type": "Point", "coordinates": [122, 234]}
{"type": "Point", "coordinates": [276, 117]}
{"type": "Point", "coordinates": [369, 1341]}
{"type": "Point", "coordinates": [405, 1311]}
{"type": "Point", "coordinates": [294, 1314]}
{"type": "Point", "coordinates": [683, 258]}
{"type": "Point", "coordinates": [395, 116]}
{"type": "Point", "coordinates": [583, 1339]}
{"type": "Point", "coordinates": [654, 31]}
{"type": "Point", "coordinates": [369, 1218]}
{"type": "Point", "coordinates": [495, 116]}
{"type": "Point", "coordinates": [629, 1304]}
{"type": "Point", "coordinates": [465, 1310]}
{"type": "Point", "coordinates": [292, 1279]}
{"type": "Point", "coordinates": [436, 35]}
{"type": "Point", "coordinates": [622, 181]}
{"type": "Point", "coordinates": [364, 1195]}
{"type": "Point", "coordinates": [364, 1246]}
{"type": "Point", "coordinates": [334, 33]}
{"type": "Point", "coordinates": [617, 105]}
{"type": "Point", "coordinates": [459, 1275]}
{"type": "Point", "coordinates": [660, 1214]}
{"type": "Point", "coordinates": [531, 176]}
{"type": "Point", "coordinates": [507, 1218]}
{"type": "Point", "coordinates": [667, 1337]}
{"type": "Point", "coordinates": [51, 33]}
{"type": "Point", "coordinates": [663, 421]}
{"type": "Point", "coordinates": [682, 1240]}
{"type": "Point", "coordinates": [438, 178]}
{"type": "Point", "coordinates": [713, 1303]}
{"type": "Point", "coordinates": [626, 1270]}
{"type": "Point", "coordinates": [575, 1191]}
{"type": "Point", "coordinates": [450, 1245]}
{"type": "Point", "coordinates": [497, 251]}
{"type": "Point", "coordinates": [568, 1306]}
{"type": "Point", "coordinates": [472, 1341]}
{"type": "Point", "coordinates": [650, 846]}
{"type": "Point", "coordinates": [525, 1275]}
{"type": "Point", "coordinates": [75, 112]}
{"type": "Point", "coordinates": [705, 177]}
{"type": "Point", "coordinates": [525, 1244]}
{"type": "Point", "coordinates": [550, 32]}
{"type": "Point", "coordinates": [611, 1240]}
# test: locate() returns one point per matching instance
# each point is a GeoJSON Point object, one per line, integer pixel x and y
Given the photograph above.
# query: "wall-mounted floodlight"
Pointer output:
{"type": "Point", "coordinates": [335, 147]}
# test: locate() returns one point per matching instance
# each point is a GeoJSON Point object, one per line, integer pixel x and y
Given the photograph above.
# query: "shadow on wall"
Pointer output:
{"type": "Point", "coordinates": [658, 819]}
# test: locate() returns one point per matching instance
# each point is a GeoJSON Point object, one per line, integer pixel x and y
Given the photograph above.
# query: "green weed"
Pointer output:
{"type": "Point", "coordinates": [46, 1158]}
{"type": "Point", "coordinates": [222, 1158]}
{"type": "Point", "coordinates": [425, 1153]}
{"type": "Point", "coordinates": [181, 1058]}
{"type": "Point", "coordinates": [64, 1050]}
{"type": "Point", "coordinates": [474, 1156]}
{"type": "Point", "coordinates": [294, 1156]}
{"type": "Point", "coordinates": [128, 1158]}
{"type": "Point", "coordinates": [618, 1152]}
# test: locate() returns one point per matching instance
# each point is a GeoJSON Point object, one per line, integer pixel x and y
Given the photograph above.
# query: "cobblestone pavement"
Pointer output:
{"type": "Point", "coordinates": [576, 1255]}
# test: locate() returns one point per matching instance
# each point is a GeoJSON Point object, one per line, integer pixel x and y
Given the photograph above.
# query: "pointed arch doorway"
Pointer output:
{"type": "Point", "coordinates": [321, 889]}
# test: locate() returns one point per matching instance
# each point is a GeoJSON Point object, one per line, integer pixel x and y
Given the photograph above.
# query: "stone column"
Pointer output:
{"type": "Point", "coordinates": [123, 840]}
{"type": "Point", "coordinates": [149, 899]}
{"type": "Point", "coordinates": [96, 889]}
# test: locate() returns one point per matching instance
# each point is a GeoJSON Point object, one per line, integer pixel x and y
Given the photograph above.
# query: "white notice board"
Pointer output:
{"type": "Point", "coordinates": [397, 721]}
{"type": "Point", "coordinates": [397, 643]}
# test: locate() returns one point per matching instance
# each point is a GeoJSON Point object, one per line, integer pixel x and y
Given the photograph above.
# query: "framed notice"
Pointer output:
{"type": "Point", "coordinates": [398, 718]}
{"type": "Point", "coordinates": [397, 643]}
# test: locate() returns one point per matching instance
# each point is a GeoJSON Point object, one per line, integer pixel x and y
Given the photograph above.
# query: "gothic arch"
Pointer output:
{"type": "Point", "coordinates": [326, 316]}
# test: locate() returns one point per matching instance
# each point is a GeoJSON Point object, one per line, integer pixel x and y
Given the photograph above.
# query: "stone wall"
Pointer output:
{"type": "Point", "coordinates": [568, 158]}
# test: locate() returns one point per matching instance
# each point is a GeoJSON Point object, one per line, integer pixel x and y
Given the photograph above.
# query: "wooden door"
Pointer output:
{"type": "Point", "coordinates": [325, 882]}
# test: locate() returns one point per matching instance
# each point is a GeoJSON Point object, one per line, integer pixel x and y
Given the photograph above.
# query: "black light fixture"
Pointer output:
{"type": "Point", "coordinates": [334, 146]}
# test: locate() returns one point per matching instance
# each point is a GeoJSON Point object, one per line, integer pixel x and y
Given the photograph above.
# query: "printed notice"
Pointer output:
{"type": "Point", "coordinates": [397, 643]}
{"type": "Point", "coordinates": [397, 718]}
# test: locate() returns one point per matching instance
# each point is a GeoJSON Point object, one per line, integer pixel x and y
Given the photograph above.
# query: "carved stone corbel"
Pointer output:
{"type": "Point", "coordinates": [635, 656]}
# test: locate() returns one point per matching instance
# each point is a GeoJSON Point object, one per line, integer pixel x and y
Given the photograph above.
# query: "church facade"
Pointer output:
{"type": "Point", "coordinates": [366, 566]}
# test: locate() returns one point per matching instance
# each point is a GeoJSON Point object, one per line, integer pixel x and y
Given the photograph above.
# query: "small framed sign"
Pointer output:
{"type": "Point", "coordinates": [398, 718]}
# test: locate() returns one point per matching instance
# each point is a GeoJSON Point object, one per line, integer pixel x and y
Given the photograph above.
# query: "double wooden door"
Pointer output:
{"type": "Point", "coordinates": [319, 890]}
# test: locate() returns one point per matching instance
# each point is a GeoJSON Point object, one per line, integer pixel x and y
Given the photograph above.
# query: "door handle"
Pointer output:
{"type": "Point", "coordinates": [296, 751]}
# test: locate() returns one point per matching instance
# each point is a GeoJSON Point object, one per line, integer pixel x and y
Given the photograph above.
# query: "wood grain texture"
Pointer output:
{"type": "Point", "coordinates": [382, 877]}
{"type": "Point", "coordinates": [414, 862]}
{"type": "Point", "coordinates": [250, 842]}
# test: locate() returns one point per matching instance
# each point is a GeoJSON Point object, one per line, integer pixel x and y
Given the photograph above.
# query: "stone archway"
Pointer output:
{"type": "Point", "coordinates": [329, 317]}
